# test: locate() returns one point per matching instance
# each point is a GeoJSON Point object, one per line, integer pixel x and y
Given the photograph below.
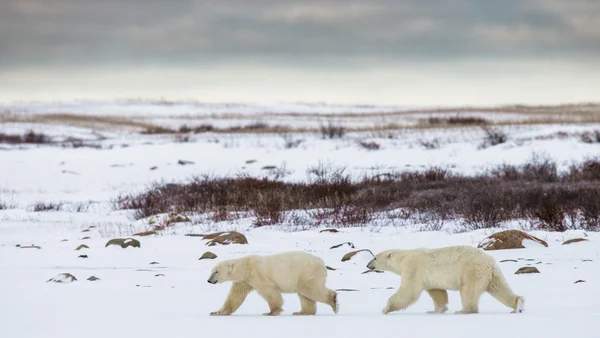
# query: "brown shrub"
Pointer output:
{"type": "Point", "coordinates": [332, 131]}
{"type": "Point", "coordinates": [369, 145]}
{"type": "Point", "coordinates": [533, 191]}
{"type": "Point", "coordinates": [30, 137]}
{"type": "Point", "coordinates": [456, 121]}
{"type": "Point", "coordinates": [493, 137]}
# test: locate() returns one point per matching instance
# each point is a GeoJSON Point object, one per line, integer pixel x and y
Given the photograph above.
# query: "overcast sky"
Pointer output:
{"type": "Point", "coordinates": [416, 52]}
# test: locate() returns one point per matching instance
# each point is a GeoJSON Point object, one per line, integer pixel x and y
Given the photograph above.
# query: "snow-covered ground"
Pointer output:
{"type": "Point", "coordinates": [131, 300]}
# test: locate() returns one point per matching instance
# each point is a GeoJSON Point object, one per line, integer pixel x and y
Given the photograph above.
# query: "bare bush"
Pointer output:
{"type": "Point", "coordinates": [290, 142]}
{"type": "Point", "coordinates": [456, 121]}
{"type": "Point", "coordinates": [533, 191]}
{"type": "Point", "coordinates": [430, 144]}
{"type": "Point", "coordinates": [30, 137]}
{"type": "Point", "coordinates": [591, 137]}
{"type": "Point", "coordinates": [46, 206]}
{"type": "Point", "coordinates": [332, 131]}
{"type": "Point", "coordinates": [493, 137]}
{"type": "Point", "coordinates": [369, 145]}
{"type": "Point", "coordinates": [6, 206]}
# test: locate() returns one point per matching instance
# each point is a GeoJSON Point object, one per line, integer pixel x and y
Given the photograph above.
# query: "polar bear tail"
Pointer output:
{"type": "Point", "coordinates": [500, 290]}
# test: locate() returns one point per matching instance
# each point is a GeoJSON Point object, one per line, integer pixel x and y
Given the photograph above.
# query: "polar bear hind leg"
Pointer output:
{"type": "Point", "coordinates": [321, 295]}
{"type": "Point", "coordinates": [440, 300]}
{"type": "Point", "coordinates": [473, 287]}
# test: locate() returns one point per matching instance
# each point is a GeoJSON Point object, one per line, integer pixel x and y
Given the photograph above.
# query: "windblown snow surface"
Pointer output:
{"type": "Point", "coordinates": [172, 298]}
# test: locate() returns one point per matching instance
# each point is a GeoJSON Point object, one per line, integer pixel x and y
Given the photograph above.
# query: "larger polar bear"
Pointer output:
{"type": "Point", "coordinates": [466, 269]}
{"type": "Point", "coordinates": [271, 275]}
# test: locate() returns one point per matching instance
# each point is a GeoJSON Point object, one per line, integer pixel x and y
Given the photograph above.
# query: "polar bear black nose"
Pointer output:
{"type": "Point", "coordinates": [371, 264]}
{"type": "Point", "coordinates": [212, 281]}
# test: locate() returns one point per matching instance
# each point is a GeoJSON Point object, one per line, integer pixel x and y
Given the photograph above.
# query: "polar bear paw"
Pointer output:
{"type": "Point", "coordinates": [441, 309]}
{"type": "Point", "coordinates": [219, 313]}
{"type": "Point", "coordinates": [520, 306]}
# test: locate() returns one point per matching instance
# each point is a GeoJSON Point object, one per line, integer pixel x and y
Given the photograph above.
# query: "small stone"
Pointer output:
{"type": "Point", "coordinates": [527, 269]}
{"type": "Point", "coordinates": [124, 242]}
{"type": "Point", "coordinates": [574, 240]}
{"type": "Point", "coordinates": [329, 230]}
{"type": "Point", "coordinates": [86, 237]}
{"type": "Point", "coordinates": [145, 233]}
{"type": "Point", "coordinates": [82, 246]}
{"type": "Point", "coordinates": [579, 281]}
{"type": "Point", "coordinates": [370, 271]}
{"type": "Point", "coordinates": [352, 253]}
{"type": "Point", "coordinates": [85, 230]}
{"type": "Point", "coordinates": [508, 239]}
{"type": "Point", "coordinates": [29, 246]}
{"type": "Point", "coordinates": [346, 290]}
{"type": "Point", "coordinates": [184, 162]}
{"type": "Point", "coordinates": [587, 260]}
{"type": "Point", "coordinates": [152, 263]}
{"type": "Point", "coordinates": [208, 255]}
{"type": "Point", "coordinates": [153, 168]}
{"type": "Point", "coordinates": [93, 278]}
{"type": "Point", "coordinates": [508, 260]}
{"type": "Point", "coordinates": [65, 240]}
{"type": "Point", "coordinates": [159, 275]}
{"type": "Point", "coordinates": [329, 268]}
{"type": "Point", "coordinates": [226, 238]}
{"type": "Point", "coordinates": [350, 244]}
{"type": "Point", "coordinates": [83, 256]}
{"type": "Point", "coordinates": [62, 278]}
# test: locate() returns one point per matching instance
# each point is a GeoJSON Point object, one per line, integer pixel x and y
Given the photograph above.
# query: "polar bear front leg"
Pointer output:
{"type": "Point", "coordinates": [308, 306]}
{"type": "Point", "coordinates": [273, 298]}
{"type": "Point", "coordinates": [235, 298]}
{"type": "Point", "coordinates": [440, 300]}
{"type": "Point", "coordinates": [409, 291]}
{"type": "Point", "coordinates": [402, 299]}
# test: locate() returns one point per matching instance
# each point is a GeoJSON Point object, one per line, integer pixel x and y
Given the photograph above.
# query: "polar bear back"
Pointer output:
{"type": "Point", "coordinates": [450, 267]}
{"type": "Point", "coordinates": [289, 270]}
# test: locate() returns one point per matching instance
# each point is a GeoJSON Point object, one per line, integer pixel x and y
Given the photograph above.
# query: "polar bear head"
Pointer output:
{"type": "Point", "coordinates": [223, 272]}
{"type": "Point", "coordinates": [385, 260]}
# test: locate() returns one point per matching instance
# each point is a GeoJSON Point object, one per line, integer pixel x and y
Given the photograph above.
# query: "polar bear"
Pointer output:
{"type": "Point", "coordinates": [270, 275]}
{"type": "Point", "coordinates": [466, 269]}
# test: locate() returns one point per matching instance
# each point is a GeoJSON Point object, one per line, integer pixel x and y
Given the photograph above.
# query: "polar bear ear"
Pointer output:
{"type": "Point", "coordinates": [230, 265]}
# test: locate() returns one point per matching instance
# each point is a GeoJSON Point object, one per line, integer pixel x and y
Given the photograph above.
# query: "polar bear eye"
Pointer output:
{"type": "Point", "coordinates": [389, 255]}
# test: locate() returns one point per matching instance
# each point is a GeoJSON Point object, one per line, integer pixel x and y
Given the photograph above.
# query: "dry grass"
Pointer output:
{"type": "Point", "coordinates": [458, 117]}
{"type": "Point", "coordinates": [85, 121]}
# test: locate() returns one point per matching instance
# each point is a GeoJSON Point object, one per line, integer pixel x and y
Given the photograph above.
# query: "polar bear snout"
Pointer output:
{"type": "Point", "coordinates": [213, 278]}
{"type": "Point", "coordinates": [371, 264]}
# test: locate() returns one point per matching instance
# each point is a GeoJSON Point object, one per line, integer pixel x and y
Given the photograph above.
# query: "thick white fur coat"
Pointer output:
{"type": "Point", "coordinates": [466, 269]}
{"type": "Point", "coordinates": [270, 275]}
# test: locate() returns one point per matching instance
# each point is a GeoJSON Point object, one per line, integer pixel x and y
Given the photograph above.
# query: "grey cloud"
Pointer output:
{"type": "Point", "coordinates": [37, 33]}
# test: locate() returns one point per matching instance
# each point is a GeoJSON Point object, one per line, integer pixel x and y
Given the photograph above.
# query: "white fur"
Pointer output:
{"type": "Point", "coordinates": [270, 275]}
{"type": "Point", "coordinates": [460, 268]}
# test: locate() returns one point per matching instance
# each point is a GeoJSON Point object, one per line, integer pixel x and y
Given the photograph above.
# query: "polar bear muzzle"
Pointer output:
{"type": "Point", "coordinates": [213, 278]}
{"type": "Point", "coordinates": [371, 264]}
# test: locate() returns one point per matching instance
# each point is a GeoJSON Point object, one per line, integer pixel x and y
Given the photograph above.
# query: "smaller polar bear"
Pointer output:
{"type": "Point", "coordinates": [466, 269]}
{"type": "Point", "coordinates": [271, 275]}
